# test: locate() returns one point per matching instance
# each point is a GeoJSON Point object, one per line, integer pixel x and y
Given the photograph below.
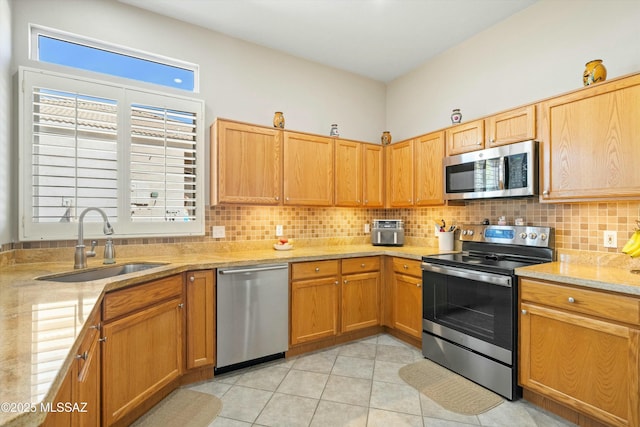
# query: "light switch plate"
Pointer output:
{"type": "Point", "coordinates": [367, 228]}
{"type": "Point", "coordinates": [610, 239]}
{"type": "Point", "coordinates": [279, 230]}
{"type": "Point", "coordinates": [218, 231]}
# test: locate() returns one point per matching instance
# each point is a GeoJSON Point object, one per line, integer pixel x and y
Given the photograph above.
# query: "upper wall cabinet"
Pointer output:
{"type": "Point", "coordinates": [246, 164]}
{"type": "Point", "coordinates": [465, 137]}
{"type": "Point", "coordinates": [359, 174]}
{"type": "Point", "coordinates": [428, 154]}
{"type": "Point", "coordinates": [591, 141]}
{"type": "Point", "coordinates": [308, 169]}
{"type": "Point", "coordinates": [511, 126]}
{"type": "Point", "coordinates": [400, 172]}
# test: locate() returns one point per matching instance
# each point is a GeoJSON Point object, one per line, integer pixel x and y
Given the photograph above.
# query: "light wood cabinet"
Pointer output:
{"type": "Point", "coordinates": [400, 171]}
{"type": "Point", "coordinates": [407, 296]}
{"type": "Point", "coordinates": [332, 297]}
{"type": "Point", "coordinates": [246, 163]}
{"type": "Point", "coordinates": [314, 300]}
{"type": "Point", "coordinates": [590, 141]}
{"type": "Point", "coordinates": [308, 169]}
{"type": "Point", "coordinates": [360, 289]}
{"type": "Point", "coordinates": [200, 318]}
{"type": "Point", "coordinates": [81, 386]}
{"type": "Point", "coordinates": [373, 185]}
{"type": "Point", "coordinates": [429, 175]}
{"type": "Point", "coordinates": [143, 345]}
{"type": "Point", "coordinates": [349, 175]}
{"type": "Point", "coordinates": [511, 126]}
{"type": "Point", "coordinates": [580, 348]}
{"type": "Point", "coordinates": [465, 137]}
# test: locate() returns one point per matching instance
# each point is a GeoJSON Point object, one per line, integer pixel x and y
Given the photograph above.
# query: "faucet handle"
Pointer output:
{"type": "Point", "coordinates": [109, 252]}
{"type": "Point", "coordinates": [92, 251]}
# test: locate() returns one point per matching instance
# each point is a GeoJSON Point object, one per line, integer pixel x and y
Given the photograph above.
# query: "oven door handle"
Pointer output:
{"type": "Point", "coordinates": [494, 279]}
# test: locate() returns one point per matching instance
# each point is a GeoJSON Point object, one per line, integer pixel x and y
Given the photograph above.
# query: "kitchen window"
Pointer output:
{"type": "Point", "coordinates": [136, 154]}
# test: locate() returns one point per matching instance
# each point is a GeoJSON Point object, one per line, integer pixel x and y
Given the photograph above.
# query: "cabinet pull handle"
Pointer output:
{"type": "Point", "coordinates": [571, 300]}
{"type": "Point", "coordinates": [96, 327]}
{"type": "Point", "coordinates": [317, 269]}
{"type": "Point", "coordinates": [103, 339]}
{"type": "Point", "coordinates": [524, 311]}
{"type": "Point", "coordinates": [83, 356]}
{"type": "Point", "coordinates": [192, 279]}
{"type": "Point", "coordinates": [181, 305]}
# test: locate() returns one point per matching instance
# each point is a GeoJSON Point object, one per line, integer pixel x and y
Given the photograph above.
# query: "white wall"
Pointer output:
{"type": "Point", "coordinates": [238, 80]}
{"type": "Point", "coordinates": [8, 186]}
{"type": "Point", "coordinates": [537, 53]}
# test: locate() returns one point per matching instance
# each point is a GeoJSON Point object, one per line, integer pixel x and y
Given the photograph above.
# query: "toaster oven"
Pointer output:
{"type": "Point", "coordinates": [387, 232]}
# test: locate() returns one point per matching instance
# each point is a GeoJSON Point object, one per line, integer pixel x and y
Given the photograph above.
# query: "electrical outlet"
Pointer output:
{"type": "Point", "coordinates": [217, 231]}
{"type": "Point", "coordinates": [610, 239]}
{"type": "Point", "coordinates": [279, 230]}
{"type": "Point", "coordinates": [367, 228]}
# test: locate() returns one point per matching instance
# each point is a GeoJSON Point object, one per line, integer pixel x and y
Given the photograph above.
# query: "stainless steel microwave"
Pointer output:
{"type": "Point", "coordinates": [504, 171]}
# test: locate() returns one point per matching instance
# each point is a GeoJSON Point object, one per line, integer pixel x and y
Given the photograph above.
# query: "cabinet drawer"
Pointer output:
{"type": "Point", "coordinates": [131, 299]}
{"type": "Point", "coordinates": [605, 305]}
{"type": "Point", "coordinates": [407, 266]}
{"type": "Point", "coordinates": [308, 270]}
{"type": "Point", "coordinates": [360, 265]}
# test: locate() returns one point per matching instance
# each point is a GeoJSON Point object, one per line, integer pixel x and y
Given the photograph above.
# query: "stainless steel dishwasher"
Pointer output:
{"type": "Point", "coordinates": [252, 314]}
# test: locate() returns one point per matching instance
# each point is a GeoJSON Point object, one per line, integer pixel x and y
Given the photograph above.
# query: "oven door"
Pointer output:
{"type": "Point", "coordinates": [470, 308]}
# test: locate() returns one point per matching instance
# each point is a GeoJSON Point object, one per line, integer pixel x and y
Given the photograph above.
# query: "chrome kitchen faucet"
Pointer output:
{"type": "Point", "coordinates": [80, 257]}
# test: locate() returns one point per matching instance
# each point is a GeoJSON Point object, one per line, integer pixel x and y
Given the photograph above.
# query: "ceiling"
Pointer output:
{"type": "Point", "coordinates": [379, 39]}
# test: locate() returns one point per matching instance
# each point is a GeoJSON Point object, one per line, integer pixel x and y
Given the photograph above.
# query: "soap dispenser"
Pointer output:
{"type": "Point", "coordinates": [109, 252]}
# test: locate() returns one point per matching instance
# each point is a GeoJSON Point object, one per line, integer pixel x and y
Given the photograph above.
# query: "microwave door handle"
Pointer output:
{"type": "Point", "coordinates": [502, 184]}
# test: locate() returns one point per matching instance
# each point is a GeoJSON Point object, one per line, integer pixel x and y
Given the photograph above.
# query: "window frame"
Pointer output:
{"type": "Point", "coordinates": [126, 96]}
{"type": "Point", "coordinates": [37, 30]}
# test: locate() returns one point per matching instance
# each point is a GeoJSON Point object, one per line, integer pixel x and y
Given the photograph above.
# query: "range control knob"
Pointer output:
{"type": "Point", "coordinates": [523, 235]}
{"type": "Point", "coordinates": [533, 235]}
{"type": "Point", "coordinates": [543, 236]}
{"type": "Point", "coordinates": [470, 232]}
{"type": "Point", "coordinates": [464, 232]}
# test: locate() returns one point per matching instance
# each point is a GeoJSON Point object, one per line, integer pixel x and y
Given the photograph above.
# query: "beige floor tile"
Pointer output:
{"type": "Point", "coordinates": [387, 372]}
{"type": "Point", "coordinates": [268, 378]}
{"type": "Point", "coordinates": [321, 362]}
{"type": "Point", "coordinates": [395, 397]}
{"type": "Point", "coordinates": [228, 422]}
{"type": "Point", "coordinates": [244, 403]}
{"type": "Point", "coordinates": [302, 383]}
{"type": "Point", "coordinates": [212, 387]}
{"type": "Point", "coordinates": [358, 349]}
{"type": "Point", "coordinates": [353, 367]}
{"type": "Point", "coordinates": [333, 414]}
{"type": "Point", "coordinates": [394, 353]}
{"type": "Point", "coordinates": [284, 410]}
{"type": "Point", "coordinates": [354, 391]}
{"type": "Point", "coordinates": [382, 418]}
{"type": "Point", "coordinates": [434, 411]}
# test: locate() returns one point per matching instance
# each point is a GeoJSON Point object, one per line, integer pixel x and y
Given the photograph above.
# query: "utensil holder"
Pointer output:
{"type": "Point", "coordinates": [445, 240]}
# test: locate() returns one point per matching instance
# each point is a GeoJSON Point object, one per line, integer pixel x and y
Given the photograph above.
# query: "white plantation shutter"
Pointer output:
{"type": "Point", "coordinates": [138, 155]}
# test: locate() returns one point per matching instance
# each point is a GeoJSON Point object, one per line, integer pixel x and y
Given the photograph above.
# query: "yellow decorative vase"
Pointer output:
{"type": "Point", "coordinates": [278, 120]}
{"type": "Point", "coordinates": [386, 138]}
{"type": "Point", "coordinates": [594, 72]}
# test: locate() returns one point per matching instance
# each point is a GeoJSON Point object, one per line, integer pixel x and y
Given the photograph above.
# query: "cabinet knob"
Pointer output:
{"type": "Point", "coordinates": [192, 279]}
{"type": "Point", "coordinates": [337, 282]}
{"type": "Point", "coordinates": [492, 140]}
{"type": "Point", "coordinates": [419, 285]}
{"type": "Point", "coordinates": [277, 198]}
{"type": "Point", "coordinates": [524, 311]}
{"type": "Point", "coordinates": [103, 339]}
{"type": "Point", "coordinates": [362, 265]}
{"type": "Point", "coordinates": [545, 193]}
{"type": "Point", "coordinates": [345, 282]}
{"type": "Point", "coordinates": [83, 356]}
{"type": "Point", "coordinates": [358, 201]}
{"type": "Point", "coordinates": [366, 201]}
{"type": "Point", "coordinates": [96, 327]}
{"type": "Point", "coordinates": [317, 269]}
{"type": "Point", "coordinates": [287, 199]}
{"type": "Point", "coordinates": [406, 267]}
{"type": "Point", "coordinates": [181, 305]}
{"type": "Point", "coordinates": [571, 300]}
{"type": "Point", "coordinates": [478, 143]}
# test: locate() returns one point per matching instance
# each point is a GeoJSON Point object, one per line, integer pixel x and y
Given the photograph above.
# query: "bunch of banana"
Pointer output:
{"type": "Point", "coordinates": [632, 247]}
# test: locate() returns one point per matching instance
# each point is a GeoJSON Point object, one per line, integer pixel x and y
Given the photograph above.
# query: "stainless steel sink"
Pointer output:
{"type": "Point", "coordinates": [101, 273]}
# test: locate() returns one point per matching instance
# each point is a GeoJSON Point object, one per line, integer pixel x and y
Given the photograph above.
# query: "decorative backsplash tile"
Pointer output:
{"type": "Point", "coordinates": [577, 226]}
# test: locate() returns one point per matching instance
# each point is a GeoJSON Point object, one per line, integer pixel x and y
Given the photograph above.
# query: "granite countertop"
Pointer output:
{"type": "Point", "coordinates": [43, 320]}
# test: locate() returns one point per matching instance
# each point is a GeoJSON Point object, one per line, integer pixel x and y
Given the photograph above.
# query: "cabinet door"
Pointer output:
{"type": "Point", "coordinates": [308, 170]}
{"type": "Point", "coordinates": [465, 137]}
{"type": "Point", "coordinates": [348, 180]}
{"type": "Point", "coordinates": [249, 164]}
{"type": "Point", "coordinates": [429, 152]}
{"type": "Point", "coordinates": [407, 301]}
{"type": "Point", "coordinates": [512, 126]}
{"type": "Point", "coordinates": [360, 301]}
{"type": "Point", "coordinates": [590, 143]}
{"type": "Point", "coordinates": [87, 384]}
{"type": "Point", "coordinates": [373, 186]}
{"type": "Point", "coordinates": [314, 309]}
{"type": "Point", "coordinates": [587, 364]}
{"type": "Point", "coordinates": [201, 327]}
{"type": "Point", "coordinates": [400, 170]}
{"type": "Point", "coordinates": [142, 353]}
{"type": "Point", "coordinates": [64, 395]}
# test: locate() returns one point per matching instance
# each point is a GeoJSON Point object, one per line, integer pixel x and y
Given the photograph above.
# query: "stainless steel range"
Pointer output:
{"type": "Point", "coordinates": [470, 302]}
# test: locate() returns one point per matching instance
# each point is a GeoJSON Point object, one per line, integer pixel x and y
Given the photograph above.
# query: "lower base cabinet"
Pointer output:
{"type": "Point", "coordinates": [201, 319]}
{"type": "Point", "coordinates": [577, 348]}
{"type": "Point", "coordinates": [406, 294]}
{"type": "Point", "coordinates": [143, 345]}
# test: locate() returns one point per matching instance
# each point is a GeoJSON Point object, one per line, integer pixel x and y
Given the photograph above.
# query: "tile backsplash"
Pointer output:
{"type": "Point", "coordinates": [578, 226]}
